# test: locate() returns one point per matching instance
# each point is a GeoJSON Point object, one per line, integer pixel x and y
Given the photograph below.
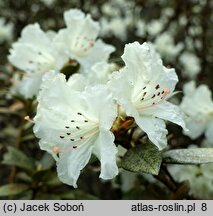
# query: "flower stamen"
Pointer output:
{"type": "Point", "coordinates": [164, 93]}
{"type": "Point", "coordinates": [27, 118]}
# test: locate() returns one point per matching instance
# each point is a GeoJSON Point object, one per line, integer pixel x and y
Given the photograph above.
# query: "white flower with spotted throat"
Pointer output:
{"type": "Point", "coordinates": [78, 40]}
{"type": "Point", "coordinates": [142, 87]}
{"type": "Point", "coordinates": [72, 125]}
{"type": "Point", "coordinates": [34, 53]}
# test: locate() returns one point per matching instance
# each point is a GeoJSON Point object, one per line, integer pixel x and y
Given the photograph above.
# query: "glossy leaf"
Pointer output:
{"type": "Point", "coordinates": [17, 158]}
{"type": "Point", "coordinates": [12, 189]}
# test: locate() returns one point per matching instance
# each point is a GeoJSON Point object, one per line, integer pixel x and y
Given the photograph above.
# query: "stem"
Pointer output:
{"type": "Point", "coordinates": [166, 179]}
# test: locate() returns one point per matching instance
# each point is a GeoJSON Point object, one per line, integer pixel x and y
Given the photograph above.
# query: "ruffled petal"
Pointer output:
{"type": "Point", "coordinates": [99, 73]}
{"type": "Point", "coordinates": [32, 34]}
{"type": "Point", "coordinates": [29, 58]}
{"type": "Point", "coordinates": [78, 39]}
{"type": "Point", "coordinates": [168, 111]}
{"type": "Point", "coordinates": [81, 24]}
{"type": "Point", "coordinates": [99, 103]}
{"type": "Point", "coordinates": [57, 95]}
{"type": "Point", "coordinates": [121, 86]}
{"type": "Point", "coordinates": [106, 151]}
{"type": "Point", "coordinates": [77, 82]}
{"type": "Point", "coordinates": [155, 129]}
{"type": "Point", "coordinates": [99, 52]}
{"type": "Point", "coordinates": [30, 85]}
{"type": "Point", "coordinates": [71, 163]}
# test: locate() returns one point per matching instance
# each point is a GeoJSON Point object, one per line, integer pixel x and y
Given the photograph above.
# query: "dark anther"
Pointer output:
{"type": "Point", "coordinates": [72, 121]}
{"type": "Point", "coordinates": [158, 93]}
{"type": "Point", "coordinates": [79, 113]}
{"type": "Point", "coordinates": [72, 140]}
{"type": "Point", "coordinates": [153, 96]}
{"type": "Point", "coordinates": [68, 133]}
{"type": "Point", "coordinates": [67, 127]}
{"type": "Point", "coordinates": [85, 120]}
{"type": "Point", "coordinates": [144, 93]}
{"type": "Point", "coordinates": [144, 87]}
{"type": "Point", "coordinates": [62, 137]}
{"type": "Point", "coordinates": [157, 86]}
{"type": "Point", "coordinates": [78, 127]}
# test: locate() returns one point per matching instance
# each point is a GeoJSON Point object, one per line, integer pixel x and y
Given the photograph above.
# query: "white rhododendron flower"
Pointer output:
{"type": "Point", "coordinates": [78, 40]}
{"type": "Point", "coordinates": [142, 87]}
{"type": "Point", "coordinates": [6, 30]}
{"type": "Point", "coordinates": [166, 46]}
{"type": "Point", "coordinates": [199, 177]}
{"type": "Point", "coordinates": [48, 2]}
{"type": "Point", "coordinates": [191, 64]}
{"type": "Point", "coordinates": [99, 74]}
{"type": "Point", "coordinates": [198, 105]}
{"type": "Point", "coordinates": [116, 26]}
{"type": "Point", "coordinates": [35, 53]}
{"type": "Point", "coordinates": [155, 27]}
{"type": "Point", "coordinates": [72, 125]}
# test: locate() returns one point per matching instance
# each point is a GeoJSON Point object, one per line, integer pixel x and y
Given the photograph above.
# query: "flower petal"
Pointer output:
{"type": "Point", "coordinates": [30, 85]}
{"type": "Point", "coordinates": [168, 111]}
{"type": "Point", "coordinates": [209, 132]}
{"type": "Point", "coordinates": [99, 103]}
{"type": "Point", "coordinates": [72, 162]}
{"type": "Point", "coordinates": [155, 129]}
{"type": "Point", "coordinates": [144, 61]}
{"type": "Point", "coordinates": [106, 151]}
{"type": "Point", "coordinates": [99, 52]}
{"type": "Point", "coordinates": [195, 127]}
{"type": "Point", "coordinates": [79, 23]}
{"type": "Point", "coordinates": [30, 57]}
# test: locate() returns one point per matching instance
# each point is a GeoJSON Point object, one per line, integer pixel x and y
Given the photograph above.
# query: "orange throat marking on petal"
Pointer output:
{"type": "Point", "coordinates": [56, 149]}
{"type": "Point", "coordinates": [164, 93]}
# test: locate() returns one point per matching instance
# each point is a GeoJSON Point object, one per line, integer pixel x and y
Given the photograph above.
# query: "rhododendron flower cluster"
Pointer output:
{"type": "Point", "coordinates": [77, 116]}
{"type": "Point", "coordinates": [36, 52]}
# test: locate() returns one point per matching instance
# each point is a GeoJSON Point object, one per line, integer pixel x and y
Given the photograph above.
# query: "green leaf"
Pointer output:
{"type": "Point", "coordinates": [12, 189]}
{"type": "Point", "coordinates": [24, 177]}
{"type": "Point", "coordinates": [143, 158]}
{"type": "Point", "coordinates": [188, 156]}
{"type": "Point", "coordinates": [27, 195]}
{"type": "Point", "coordinates": [17, 158]}
{"type": "Point", "coordinates": [41, 175]}
{"type": "Point", "coordinates": [28, 137]}
{"type": "Point", "coordinates": [47, 177]}
{"type": "Point", "coordinates": [46, 196]}
{"type": "Point", "coordinates": [77, 195]}
{"type": "Point", "coordinates": [53, 180]}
